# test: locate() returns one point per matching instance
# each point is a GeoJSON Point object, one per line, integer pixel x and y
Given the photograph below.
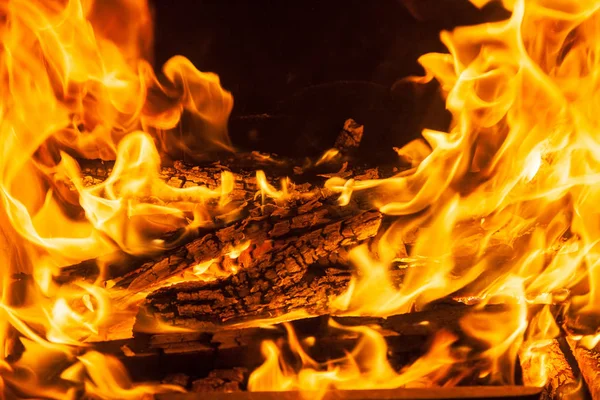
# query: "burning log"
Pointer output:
{"type": "Point", "coordinates": [312, 218]}
{"type": "Point", "coordinates": [280, 276]}
{"type": "Point", "coordinates": [242, 165]}
{"type": "Point", "coordinates": [266, 234]}
{"type": "Point", "coordinates": [243, 219]}
{"type": "Point", "coordinates": [219, 361]}
{"type": "Point", "coordinates": [179, 175]}
{"type": "Point", "coordinates": [562, 382]}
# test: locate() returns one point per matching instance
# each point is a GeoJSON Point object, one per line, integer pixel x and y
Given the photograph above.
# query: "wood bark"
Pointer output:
{"type": "Point", "coordinates": [309, 208]}
{"type": "Point", "coordinates": [307, 174]}
{"type": "Point", "coordinates": [279, 277]}
{"type": "Point", "coordinates": [179, 175]}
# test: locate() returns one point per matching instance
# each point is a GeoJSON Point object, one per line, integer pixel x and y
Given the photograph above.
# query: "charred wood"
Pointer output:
{"type": "Point", "coordinates": [309, 208]}
{"type": "Point", "coordinates": [241, 204]}
{"type": "Point", "coordinates": [279, 277]}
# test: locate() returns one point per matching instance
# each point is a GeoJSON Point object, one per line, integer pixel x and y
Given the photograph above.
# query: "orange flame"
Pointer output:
{"type": "Point", "coordinates": [365, 367]}
{"type": "Point", "coordinates": [78, 83]}
{"type": "Point", "coordinates": [506, 200]}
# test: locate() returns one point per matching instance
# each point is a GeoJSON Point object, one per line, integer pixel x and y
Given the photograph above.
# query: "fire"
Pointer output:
{"type": "Point", "coordinates": [505, 202]}
{"type": "Point", "coordinates": [78, 83]}
{"type": "Point", "coordinates": [267, 190]}
{"type": "Point", "coordinates": [365, 367]}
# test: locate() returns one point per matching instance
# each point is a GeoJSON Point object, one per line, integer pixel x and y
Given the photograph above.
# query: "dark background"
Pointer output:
{"type": "Point", "coordinates": [298, 69]}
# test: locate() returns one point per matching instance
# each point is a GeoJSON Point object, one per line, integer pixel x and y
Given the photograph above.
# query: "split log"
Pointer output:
{"type": "Point", "coordinates": [267, 233]}
{"type": "Point", "coordinates": [182, 175]}
{"type": "Point", "coordinates": [441, 315]}
{"type": "Point", "coordinates": [213, 360]}
{"type": "Point", "coordinates": [589, 365]}
{"type": "Point", "coordinates": [179, 175]}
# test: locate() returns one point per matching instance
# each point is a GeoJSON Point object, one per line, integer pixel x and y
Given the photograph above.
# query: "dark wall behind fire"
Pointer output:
{"type": "Point", "coordinates": [299, 68]}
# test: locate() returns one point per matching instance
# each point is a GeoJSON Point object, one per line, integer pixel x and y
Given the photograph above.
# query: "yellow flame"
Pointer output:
{"type": "Point", "coordinates": [328, 156]}
{"type": "Point", "coordinates": [365, 367]}
{"type": "Point", "coordinates": [506, 200]}
{"type": "Point", "coordinates": [237, 250]}
{"type": "Point", "coordinates": [268, 190]}
{"type": "Point", "coordinates": [78, 83]}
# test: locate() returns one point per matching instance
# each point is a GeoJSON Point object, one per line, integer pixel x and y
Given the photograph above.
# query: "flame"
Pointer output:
{"type": "Point", "coordinates": [328, 156]}
{"type": "Point", "coordinates": [78, 82]}
{"type": "Point", "coordinates": [268, 190]}
{"type": "Point", "coordinates": [87, 97]}
{"type": "Point", "coordinates": [506, 200]}
{"type": "Point", "coordinates": [542, 327]}
{"type": "Point", "coordinates": [518, 166]}
{"type": "Point", "coordinates": [365, 367]}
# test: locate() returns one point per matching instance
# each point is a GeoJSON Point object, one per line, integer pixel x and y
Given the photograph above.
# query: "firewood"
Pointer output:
{"type": "Point", "coordinates": [281, 276]}
{"type": "Point", "coordinates": [589, 365]}
{"type": "Point", "coordinates": [220, 354]}
{"type": "Point", "coordinates": [244, 219]}
{"type": "Point", "coordinates": [309, 208]}
{"type": "Point", "coordinates": [179, 175]}
{"type": "Point", "coordinates": [562, 382]}
{"type": "Point", "coordinates": [238, 345]}
{"type": "Point", "coordinates": [183, 175]}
